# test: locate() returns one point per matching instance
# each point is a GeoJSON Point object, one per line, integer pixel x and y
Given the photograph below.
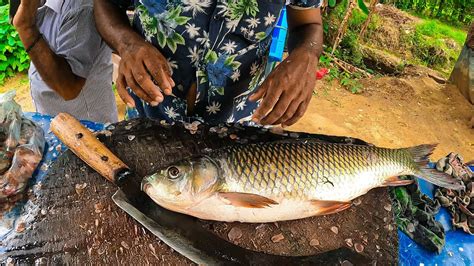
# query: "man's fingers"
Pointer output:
{"type": "Point", "coordinates": [278, 111]}
{"type": "Point", "coordinates": [123, 93]}
{"type": "Point", "coordinates": [298, 114]}
{"type": "Point", "coordinates": [138, 90]}
{"type": "Point", "coordinates": [289, 113]}
{"type": "Point", "coordinates": [266, 105]}
{"type": "Point", "coordinates": [260, 91]}
{"type": "Point", "coordinates": [160, 74]}
{"type": "Point", "coordinates": [144, 80]}
{"type": "Point", "coordinates": [171, 81]}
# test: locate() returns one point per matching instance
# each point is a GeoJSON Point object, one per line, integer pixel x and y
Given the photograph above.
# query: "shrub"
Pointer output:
{"type": "Point", "coordinates": [13, 57]}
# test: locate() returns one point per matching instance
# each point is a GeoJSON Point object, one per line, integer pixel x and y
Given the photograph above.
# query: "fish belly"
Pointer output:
{"type": "Point", "coordinates": [214, 208]}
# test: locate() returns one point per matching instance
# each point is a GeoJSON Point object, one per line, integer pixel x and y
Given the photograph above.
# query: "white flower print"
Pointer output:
{"type": "Point", "coordinates": [254, 68]}
{"type": "Point", "coordinates": [236, 75]}
{"type": "Point", "coordinates": [251, 33]}
{"type": "Point", "coordinates": [171, 112]}
{"type": "Point", "coordinates": [229, 47]}
{"type": "Point", "coordinates": [213, 108]}
{"type": "Point", "coordinates": [269, 19]}
{"type": "Point", "coordinates": [204, 40]}
{"type": "Point", "coordinates": [194, 54]}
{"type": "Point", "coordinates": [244, 30]}
{"type": "Point", "coordinates": [192, 30]}
{"type": "Point", "coordinates": [172, 65]}
{"type": "Point", "coordinates": [231, 119]}
{"type": "Point", "coordinates": [241, 105]}
{"type": "Point", "coordinates": [232, 24]}
{"type": "Point", "coordinates": [197, 6]}
{"type": "Point", "coordinates": [253, 22]}
{"type": "Point", "coordinates": [223, 8]}
{"type": "Point", "coordinates": [198, 97]}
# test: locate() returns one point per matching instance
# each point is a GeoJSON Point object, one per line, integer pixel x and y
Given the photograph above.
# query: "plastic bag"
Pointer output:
{"type": "Point", "coordinates": [21, 147]}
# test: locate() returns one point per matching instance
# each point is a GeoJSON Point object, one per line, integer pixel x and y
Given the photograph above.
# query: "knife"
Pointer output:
{"type": "Point", "coordinates": [181, 232]}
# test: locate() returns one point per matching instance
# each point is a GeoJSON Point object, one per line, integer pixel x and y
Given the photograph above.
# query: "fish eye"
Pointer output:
{"type": "Point", "coordinates": [173, 172]}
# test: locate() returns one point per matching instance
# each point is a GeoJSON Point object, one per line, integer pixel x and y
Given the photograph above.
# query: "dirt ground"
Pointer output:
{"type": "Point", "coordinates": [390, 112]}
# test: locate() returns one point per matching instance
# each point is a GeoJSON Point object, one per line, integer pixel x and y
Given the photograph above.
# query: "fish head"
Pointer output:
{"type": "Point", "coordinates": [183, 184]}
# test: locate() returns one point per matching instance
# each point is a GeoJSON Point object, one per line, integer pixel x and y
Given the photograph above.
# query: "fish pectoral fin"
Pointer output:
{"type": "Point", "coordinates": [246, 200]}
{"type": "Point", "coordinates": [395, 181]}
{"type": "Point", "coordinates": [328, 207]}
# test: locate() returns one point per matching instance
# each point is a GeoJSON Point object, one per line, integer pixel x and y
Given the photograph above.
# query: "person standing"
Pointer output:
{"type": "Point", "coordinates": [71, 66]}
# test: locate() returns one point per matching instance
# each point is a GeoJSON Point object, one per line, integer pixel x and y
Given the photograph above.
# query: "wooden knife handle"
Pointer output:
{"type": "Point", "coordinates": [87, 147]}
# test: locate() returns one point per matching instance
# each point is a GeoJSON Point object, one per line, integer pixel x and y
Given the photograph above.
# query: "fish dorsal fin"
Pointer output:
{"type": "Point", "coordinates": [246, 200]}
{"type": "Point", "coordinates": [328, 207]}
{"type": "Point", "coordinates": [395, 181]}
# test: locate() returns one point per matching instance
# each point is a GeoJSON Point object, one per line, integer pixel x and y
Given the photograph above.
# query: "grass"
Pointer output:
{"type": "Point", "coordinates": [439, 30]}
{"type": "Point", "coordinates": [429, 42]}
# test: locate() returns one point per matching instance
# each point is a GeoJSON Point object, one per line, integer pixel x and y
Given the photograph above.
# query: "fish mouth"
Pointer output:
{"type": "Point", "coordinates": [145, 185]}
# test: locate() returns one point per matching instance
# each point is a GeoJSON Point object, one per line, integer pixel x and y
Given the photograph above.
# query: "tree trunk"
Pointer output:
{"type": "Point", "coordinates": [372, 10]}
{"type": "Point", "coordinates": [344, 24]}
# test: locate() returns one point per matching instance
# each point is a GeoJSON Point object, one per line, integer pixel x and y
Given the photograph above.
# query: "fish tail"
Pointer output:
{"type": "Point", "coordinates": [420, 155]}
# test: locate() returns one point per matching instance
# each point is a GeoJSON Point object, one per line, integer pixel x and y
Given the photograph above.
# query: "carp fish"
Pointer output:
{"type": "Point", "coordinates": [285, 179]}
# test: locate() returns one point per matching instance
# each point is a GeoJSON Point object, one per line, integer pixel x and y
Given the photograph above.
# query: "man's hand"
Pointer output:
{"type": "Point", "coordinates": [142, 67]}
{"type": "Point", "coordinates": [25, 17]}
{"type": "Point", "coordinates": [287, 92]}
{"type": "Point", "coordinates": [145, 70]}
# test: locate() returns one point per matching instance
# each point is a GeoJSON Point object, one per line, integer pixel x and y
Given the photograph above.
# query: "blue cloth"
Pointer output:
{"type": "Point", "coordinates": [221, 46]}
{"type": "Point", "coordinates": [458, 250]}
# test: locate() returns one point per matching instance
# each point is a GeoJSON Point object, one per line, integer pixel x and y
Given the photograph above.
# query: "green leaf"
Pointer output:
{"type": "Point", "coordinates": [211, 56]}
{"type": "Point", "coordinates": [172, 45]}
{"type": "Point", "coordinates": [181, 20]}
{"type": "Point", "coordinates": [261, 35]}
{"type": "Point", "coordinates": [161, 39]}
{"type": "Point", "coordinates": [178, 39]}
{"type": "Point", "coordinates": [363, 7]}
{"type": "Point", "coordinates": [235, 65]}
{"type": "Point", "coordinates": [220, 90]}
{"type": "Point", "coordinates": [332, 3]}
{"type": "Point", "coordinates": [3, 66]}
{"type": "Point", "coordinates": [174, 13]}
{"type": "Point", "coordinates": [229, 60]}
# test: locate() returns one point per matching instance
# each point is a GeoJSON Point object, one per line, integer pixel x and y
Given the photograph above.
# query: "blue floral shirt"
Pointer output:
{"type": "Point", "coordinates": [222, 46]}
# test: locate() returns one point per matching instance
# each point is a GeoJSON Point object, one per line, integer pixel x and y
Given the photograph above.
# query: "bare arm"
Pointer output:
{"type": "Point", "coordinates": [306, 31]}
{"type": "Point", "coordinates": [141, 65]}
{"type": "Point", "coordinates": [54, 70]}
{"type": "Point", "coordinates": [287, 92]}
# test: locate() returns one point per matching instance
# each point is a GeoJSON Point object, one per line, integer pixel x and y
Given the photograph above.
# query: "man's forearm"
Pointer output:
{"type": "Point", "coordinates": [308, 38]}
{"type": "Point", "coordinates": [53, 69]}
{"type": "Point", "coordinates": [114, 27]}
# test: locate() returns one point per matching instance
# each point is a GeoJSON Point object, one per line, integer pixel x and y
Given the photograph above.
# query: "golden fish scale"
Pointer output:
{"type": "Point", "coordinates": [297, 168]}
